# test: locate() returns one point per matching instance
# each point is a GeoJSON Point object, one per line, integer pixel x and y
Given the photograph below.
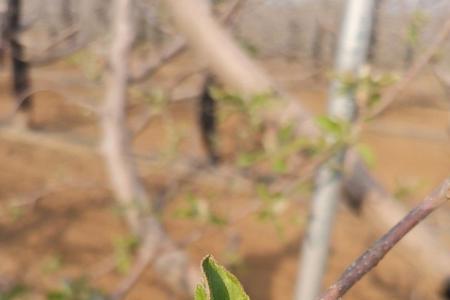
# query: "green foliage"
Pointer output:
{"type": "Point", "coordinates": [78, 289]}
{"type": "Point", "coordinates": [335, 128]}
{"type": "Point", "coordinates": [200, 293]}
{"type": "Point", "coordinates": [199, 210]}
{"type": "Point", "coordinates": [368, 86]}
{"type": "Point", "coordinates": [274, 204]}
{"type": "Point", "coordinates": [251, 107]}
{"type": "Point", "coordinates": [221, 284]}
{"type": "Point", "coordinates": [124, 248]}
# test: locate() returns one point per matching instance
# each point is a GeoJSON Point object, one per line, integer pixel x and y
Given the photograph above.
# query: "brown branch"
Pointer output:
{"type": "Point", "coordinates": [369, 259]}
{"type": "Point", "coordinates": [391, 94]}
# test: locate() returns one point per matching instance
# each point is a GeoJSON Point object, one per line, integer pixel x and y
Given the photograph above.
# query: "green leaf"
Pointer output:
{"type": "Point", "coordinates": [222, 284]}
{"type": "Point", "coordinates": [335, 127]}
{"type": "Point", "coordinates": [200, 293]}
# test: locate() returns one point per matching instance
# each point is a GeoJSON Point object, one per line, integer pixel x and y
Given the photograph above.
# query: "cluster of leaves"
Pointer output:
{"type": "Point", "coordinates": [250, 107]}
{"type": "Point", "coordinates": [274, 204]}
{"type": "Point", "coordinates": [254, 148]}
{"type": "Point", "coordinates": [367, 86]}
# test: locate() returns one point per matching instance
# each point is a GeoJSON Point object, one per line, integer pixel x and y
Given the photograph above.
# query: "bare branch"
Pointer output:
{"type": "Point", "coordinates": [369, 259]}
{"type": "Point", "coordinates": [126, 184]}
{"type": "Point", "coordinates": [392, 93]}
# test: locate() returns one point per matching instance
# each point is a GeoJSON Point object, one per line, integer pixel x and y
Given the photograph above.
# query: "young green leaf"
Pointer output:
{"type": "Point", "coordinates": [200, 293]}
{"type": "Point", "coordinates": [222, 284]}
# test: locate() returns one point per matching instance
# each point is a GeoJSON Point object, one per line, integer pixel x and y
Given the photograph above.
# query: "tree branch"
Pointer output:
{"type": "Point", "coordinates": [392, 93]}
{"type": "Point", "coordinates": [177, 47]}
{"type": "Point", "coordinates": [369, 259]}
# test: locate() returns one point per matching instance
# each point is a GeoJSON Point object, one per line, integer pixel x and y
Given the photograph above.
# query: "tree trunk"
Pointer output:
{"type": "Point", "coordinates": [352, 54]}
{"type": "Point", "coordinates": [20, 68]}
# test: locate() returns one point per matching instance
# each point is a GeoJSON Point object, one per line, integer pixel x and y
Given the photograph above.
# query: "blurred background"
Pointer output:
{"type": "Point", "coordinates": [215, 185]}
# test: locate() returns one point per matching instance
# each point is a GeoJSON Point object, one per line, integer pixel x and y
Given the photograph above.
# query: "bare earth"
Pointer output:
{"type": "Point", "coordinates": [74, 219]}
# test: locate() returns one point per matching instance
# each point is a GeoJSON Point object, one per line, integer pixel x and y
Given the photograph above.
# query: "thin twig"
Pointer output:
{"type": "Point", "coordinates": [369, 259]}
{"type": "Point", "coordinates": [392, 93]}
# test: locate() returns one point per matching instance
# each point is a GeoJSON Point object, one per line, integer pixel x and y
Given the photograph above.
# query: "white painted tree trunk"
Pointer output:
{"type": "Point", "coordinates": [352, 53]}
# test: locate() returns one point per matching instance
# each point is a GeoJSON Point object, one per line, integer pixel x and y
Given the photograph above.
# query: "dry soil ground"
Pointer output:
{"type": "Point", "coordinates": [71, 229]}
